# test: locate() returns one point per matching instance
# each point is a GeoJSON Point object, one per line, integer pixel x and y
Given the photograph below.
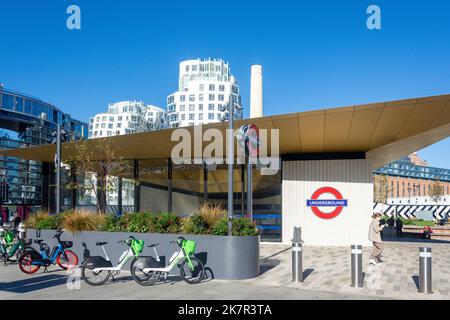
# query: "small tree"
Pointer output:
{"type": "Point", "coordinates": [436, 192]}
{"type": "Point", "coordinates": [98, 174]}
{"type": "Point", "coordinates": [381, 189]}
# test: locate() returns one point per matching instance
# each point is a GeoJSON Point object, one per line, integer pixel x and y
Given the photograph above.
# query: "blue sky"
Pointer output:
{"type": "Point", "coordinates": [315, 54]}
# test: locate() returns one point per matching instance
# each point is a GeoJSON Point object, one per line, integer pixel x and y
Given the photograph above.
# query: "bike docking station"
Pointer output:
{"type": "Point", "coordinates": [297, 256]}
{"type": "Point", "coordinates": [425, 278]}
{"type": "Point", "coordinates": [356, 267]}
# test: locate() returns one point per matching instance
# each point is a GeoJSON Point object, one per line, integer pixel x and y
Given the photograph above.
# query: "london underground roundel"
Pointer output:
{"type": "Point", "coordinates": [327, 197]}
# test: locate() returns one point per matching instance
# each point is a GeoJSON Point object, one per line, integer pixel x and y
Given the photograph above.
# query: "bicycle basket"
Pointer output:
{"type": "Point", "coordinates": [137, 246]}
{"type": "Point", "coordinates": [189, 246]}
{"type": "Point", "coordinates": [9, 237]}
{"type": "Point", "coordinates": [67, 244]}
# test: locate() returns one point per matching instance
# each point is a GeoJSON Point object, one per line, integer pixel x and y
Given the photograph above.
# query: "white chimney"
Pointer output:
{"type": "Point", "coordinates": [256, 92]}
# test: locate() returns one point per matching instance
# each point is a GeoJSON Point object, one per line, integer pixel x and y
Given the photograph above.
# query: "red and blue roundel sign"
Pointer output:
{"type": "Point", "coordinates": [318, 200]}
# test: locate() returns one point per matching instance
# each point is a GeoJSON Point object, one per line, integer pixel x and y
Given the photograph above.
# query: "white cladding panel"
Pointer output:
{"type": "Point", "coordinates": [352, 178]}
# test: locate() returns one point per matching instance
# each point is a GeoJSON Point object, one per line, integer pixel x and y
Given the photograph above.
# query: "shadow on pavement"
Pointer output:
{"type": "Point", "coordinates": [416, 281]}
{"type": "Point", "coordinates": [33, 283]}
{"type": "Point", "coordinates": [307, 273]}
{"type": "Point", "coordinates": [268, 265]}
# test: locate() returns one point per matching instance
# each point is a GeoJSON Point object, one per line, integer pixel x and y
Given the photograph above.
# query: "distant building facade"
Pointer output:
{"type": "Point", "coordinates": [28, 121]}
{"type": "Point", "coordinates": [410, 179]}
{"type": "Point", "coordinates": [204, 86]}
{"type": "Point", "coordinates": [127, 117]}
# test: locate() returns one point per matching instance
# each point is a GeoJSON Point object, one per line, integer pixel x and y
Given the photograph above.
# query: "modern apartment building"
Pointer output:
{"type": "Point", "coordinates": [204, 86]}
{"type": "Point", "coordinates": [127, 117]}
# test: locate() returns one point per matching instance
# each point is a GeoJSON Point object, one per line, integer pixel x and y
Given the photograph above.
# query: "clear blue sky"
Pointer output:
{"type": "Point", "coordinates": [315, 54]}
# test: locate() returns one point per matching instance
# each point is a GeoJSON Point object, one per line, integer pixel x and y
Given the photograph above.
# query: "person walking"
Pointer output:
{"type": "Point", "coordinates": [375, 236]}
{"type": "Point", "coordinates": [399, 227]}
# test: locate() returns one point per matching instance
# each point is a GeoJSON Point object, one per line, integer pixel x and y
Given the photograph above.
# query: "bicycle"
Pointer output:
{"type": "Point", "coordinates": [96, 270]}
{"type": "Point", "coordinates": [147, 270]}
{"type": "Point", "coordinates": [9, 248]}
{"type": "Point", "coordinates": [32, 260]}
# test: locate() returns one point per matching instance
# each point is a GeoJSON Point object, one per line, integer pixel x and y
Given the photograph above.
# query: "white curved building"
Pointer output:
{"type": "Point", "coordinates": [127, 117]}
{"type": "Point", "coordinates": [204, 85]}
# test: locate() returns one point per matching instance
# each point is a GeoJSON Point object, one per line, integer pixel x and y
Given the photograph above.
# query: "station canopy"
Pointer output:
{"type": "Point", "coordinates": [383, 131]}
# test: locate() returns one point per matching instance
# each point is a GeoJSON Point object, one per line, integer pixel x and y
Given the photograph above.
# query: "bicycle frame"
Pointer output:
{"type": "Point", "coordinates": [126, 255]}
{"type": "Point", "coordinates": [173, 261]}
{"type": "Point", "coordinates": [52, 257]}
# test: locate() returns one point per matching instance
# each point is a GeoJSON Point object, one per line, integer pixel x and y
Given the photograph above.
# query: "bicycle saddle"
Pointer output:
{"type": "Point", "coordinates": [153, 245]}
{"type": "Point", "coordinates": [38, 241]}
{"type": "Point", "coordinates": [101, 243]}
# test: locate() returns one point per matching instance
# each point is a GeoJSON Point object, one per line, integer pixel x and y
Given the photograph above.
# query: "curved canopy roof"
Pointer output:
{"type": "Point", "coordinates": [384, 131]}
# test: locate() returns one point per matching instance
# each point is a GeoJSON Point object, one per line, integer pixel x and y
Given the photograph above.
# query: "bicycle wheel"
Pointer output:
{"type": "Point", "coordinates": [25, 264]}
{"type": "Point", "coordinates": [194, 274]}
{"type": "Point", "coordinates": [67, 260]}
{"type": "Point", "coordinates": [94, 278]}
{"type": "Point", "coordinates": [144, 279]}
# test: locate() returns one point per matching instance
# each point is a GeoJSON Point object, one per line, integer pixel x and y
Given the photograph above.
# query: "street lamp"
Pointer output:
{"type": "Point", "coordinates": [58, 135]}
{"type": "Point", "coordinates": [228, 110]}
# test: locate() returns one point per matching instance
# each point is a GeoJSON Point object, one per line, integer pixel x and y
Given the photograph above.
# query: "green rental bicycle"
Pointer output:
{"type": "Point", "coordinates": [11, 250]}
{"type": "Point", "coordinates": [96, 270]}
{"type": "Point", "coordinates": [147, 270]}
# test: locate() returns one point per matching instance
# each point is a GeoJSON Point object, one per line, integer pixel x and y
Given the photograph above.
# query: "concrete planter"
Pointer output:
{"type": "Point", "coordinates": [226, 258]}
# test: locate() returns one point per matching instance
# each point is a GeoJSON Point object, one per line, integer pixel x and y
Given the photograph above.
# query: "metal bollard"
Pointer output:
{"type": "Point", "coordinates": [357, 274]}
{"type": "Point", "coordinates": [297, 258]}
{"type": "Point", "coordinates": [425, 279]}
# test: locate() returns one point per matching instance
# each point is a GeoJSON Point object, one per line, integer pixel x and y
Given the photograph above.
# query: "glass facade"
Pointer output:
{"type": "Point", "coordinates": [193, 185]}
{"type": "Point", "coordinates": [405, 168]}
{"type": "Point", "coordinates": [27, 121]}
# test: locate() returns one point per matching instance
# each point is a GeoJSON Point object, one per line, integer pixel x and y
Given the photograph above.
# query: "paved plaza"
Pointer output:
{"type": "Point", "coordinates": [327, 276]}
{"type": "Point", "coordinates": [328, 269]}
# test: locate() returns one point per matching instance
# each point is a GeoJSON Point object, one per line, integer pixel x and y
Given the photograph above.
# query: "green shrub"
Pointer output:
{"type": "Point", "coordinates": [112, 224]}
{"type": "Point", "coordinates": [221, 228]}
{"type": "Point", "coordinates": [165, 223]}
{"type": "Point", "coordinates": [43, 220]}
{"type": "Point", "coordinates": [195, 224]}
{"type": "Point", "coordinates": [135, 222]}
{"type": "Point", "coordinates": [210, 220]}
{"type": "Point", "coordinates": [241, 227]}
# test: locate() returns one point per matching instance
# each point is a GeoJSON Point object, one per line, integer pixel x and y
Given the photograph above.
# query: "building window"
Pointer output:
{"type": "Point", "coordinates": [200, 116]}
{"type": "Point", "coordinates": [211, 116]}
{"type": "Point", "coordinates": [119, 118]}
{"type": "Point", "coordinates": [182, 107]}
{"type": "Point", "coordinates": [187, 68]}
{"type": "Point", "coordinates": [200, 97]}
{"type": "Point", "coordinates": [110, 125]}
{"type": "Point", "coordinates": [221, 87]}
{"type": "Point", "coordinates": [182, 98]}
{"type": "Point", "coordinates": [194, 68]}
{"type": "Point", "coordinates": [104, 118]}
{"type": "Point", "coordinates": [212, 97]}
{"type": "Point", "coordinates": [103, 126]}
{"type": "Point", "coordinates": [211, 106]}
{"type": "Point", "coordinates": [111, 119]}
{"type": "Point", "coordinates": [119, 125]}
{"type": "Point", "coordinates": [212, 87]}
{"type": "Point", "coordinates": [191, 116]}
{"type": "Point", "coordinates": [221, 97]}
{"type": "Point", "coordinates": [201, 87]}
{"type": "Point", "coordinates": [192, 107]}
{"type": "Point", "coordinates": [200, 107]}
{"type": "Point", "coordinates": [183, 117]}
{"type": "Point", "coordinates": [192, 97]}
